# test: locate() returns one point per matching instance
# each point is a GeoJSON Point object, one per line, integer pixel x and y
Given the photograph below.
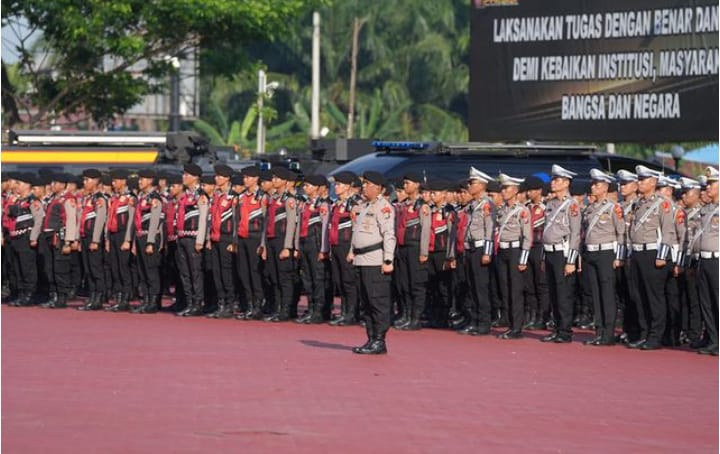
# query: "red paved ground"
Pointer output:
{"type": "Point", "coordinates": [118, 383]}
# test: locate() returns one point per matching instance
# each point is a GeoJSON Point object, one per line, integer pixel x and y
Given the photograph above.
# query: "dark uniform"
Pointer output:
{"type": "Point", "coordinates": [604, 229]}
{"type": "Point", "coordinates": [690, 303]}
{"type": "Point", "coordinates": [59, 231]}
{"type": "Point", "coordinates": [92, 233]}
{"type": "Point", "coordinates": [121, 215]}
{"type": "Point", "coordinates": [441, 248]}
{"type": "Point", "coordinates": [537, 288]}
{"type": "Point", "coordinates": [223, 238]}
{"type": "Point", "coordinates": [373, 244]}
{"type": "Point", "coordinates": [651, 234]}
{"type": "Point", "coordinates": [149, 242]}
{"type": "Point", "coordinates": [561, 242]}
{"type": "Point", "coordinates": [514, 240]}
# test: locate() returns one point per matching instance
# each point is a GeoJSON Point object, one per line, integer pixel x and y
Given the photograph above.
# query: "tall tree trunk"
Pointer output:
{"type": "Point", "coordinates": [357, 26]}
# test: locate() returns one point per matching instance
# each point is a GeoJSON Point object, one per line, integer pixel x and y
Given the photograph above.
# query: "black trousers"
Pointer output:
{"type": "Point", "coordinates": [313, 274]}
{"type": "Point", "coordinates": [600, 278]}
{"type": "Point", "coordinates": [560, 288]}
{"type": "Point", "coordinates": [708, 292]}
{"type": "Point", "coordinates": [459, 285]}
{"type": "Point", "coordinates": [536, 284]}
{"type": "Point", "coordinates": [281, 274]}
{"type": "Point", "coordinates": [223, 268]}
{"type": "Point", "coordinates": [511, 286]}
{"type": "Point", "coordinates": [374, 292]}
{"type": "Point", "coordinates": [189, 263]}
{"type": "Point", "coordinates": [25, 266]}
{"type": "Point", "coordinates": [438, 288]}
{"type": "Point", "coordinates": [651, 292]}
{"type": "Point", "coordinates": [149, 267]}
{"type": "Point", "coordinates": [119, 264]}
{"type": "Point", "coordinates": [344, 279]}
{"type": "Point", "coordinates": [690, 303]}
{"type": "Point", "coordinates": [93, 265]}
{"type": "Point", "coordinates": [628, 288]}
{"type": "Point", "coordinates": [672, 297]}
{"type": "Point", "coordinates": [76, 269]}
{"type": "Point", "coordinates": [413, 279]}
{"type": "Point", "coordinates": [57, 264]}
{"type": "Point", "coordinates": [478, 276]}
{"type": "Point", "coordinates": [249, 269]}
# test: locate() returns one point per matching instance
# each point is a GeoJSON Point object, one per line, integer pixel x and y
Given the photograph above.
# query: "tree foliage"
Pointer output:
{"type": "Point", "coordinates": [100, 57]}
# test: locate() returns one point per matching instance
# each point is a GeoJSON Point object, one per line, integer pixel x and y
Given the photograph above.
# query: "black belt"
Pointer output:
{"type": "Point", "coordinates": [366, 249]}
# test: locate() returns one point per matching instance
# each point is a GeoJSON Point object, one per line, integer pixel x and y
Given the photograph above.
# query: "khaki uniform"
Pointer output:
{"type": "Point", "coordinates": [707, 248]}
{"type": "Point", "coordinates": [479, 242]}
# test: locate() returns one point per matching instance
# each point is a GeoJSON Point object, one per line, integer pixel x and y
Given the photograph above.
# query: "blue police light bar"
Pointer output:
{"type": "Point", "coordinates": [399, 146]}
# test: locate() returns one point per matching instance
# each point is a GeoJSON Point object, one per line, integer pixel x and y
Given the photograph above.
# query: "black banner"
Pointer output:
{"type": "Point", "coordinates": [594, 70]}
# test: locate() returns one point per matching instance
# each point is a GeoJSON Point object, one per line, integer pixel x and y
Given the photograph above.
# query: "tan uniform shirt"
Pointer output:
{"type": "Point", "coordinates": [652, 223]}
{"type": "Point", "coordinates": [374, 224]}
{"type": "Point", "coordinates": [481, 226]}
{"type": "Point", "coordinates": [513, 225]}
{"type": "Point", "coordinates": [562, 226]}
{"type": "Point", "coordinates": [707, 241]}
{"type": "Point", "coordinates": [604, 224]}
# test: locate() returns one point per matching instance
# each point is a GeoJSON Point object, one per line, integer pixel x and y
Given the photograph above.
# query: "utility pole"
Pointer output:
{"type": "Point", "coordinates": [261, 125]}
{"type": "Point", "coordinates": [357, 26]}
{"type": "Point", "coordinates": [175, 95]}
{"type": "Point", "coordinates": [315, 107]}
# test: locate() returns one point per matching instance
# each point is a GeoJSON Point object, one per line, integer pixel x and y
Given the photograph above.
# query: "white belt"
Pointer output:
{"type": "Point", "coordinates": [19, 232]}
{"type": "Point", "coordinates": [554, 247]}
{"type": "Point", "coordinates": [508, 244]}
{"type": "Point", "coordinates": [344, 225]}
{"type": "Point", "coordinates": [475, 243]}
{"type": "Point", "coordinates": [122, 209]}
{"type": "Point", "coordinates": [24, 217]}
{"type": "Point", "coordinates": [600, 247]}
{"type": "Point", "coordinates": [645, 247]}
{"type": "Point", "coordinates": [183, 233]}
{"type": "Point", "coordinates": [709, 254]}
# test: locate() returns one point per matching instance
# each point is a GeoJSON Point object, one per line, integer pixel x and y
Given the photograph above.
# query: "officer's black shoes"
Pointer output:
{"type": "Point", "coordinates": [593, 340]}
{"type": "Point", "coordinates": [305, 318]}
{"type": "Point", "coordinates": [699, 343]}
{"type": "Point", "coordinates": [373, 347]}
{"type": "Point", "coordinates": [61, 302]}
{"type": "Point", "coordinates": [589, 325]}
{"type": "Point", "coordinates": [502, 322]}
{"type": "Point", "coordinates": [563, 339]}
{"type": "Point", "coordinates": [145, 303]}
{"type": "Point", "coordinates": [194, 310]}
{"type": "Point", "coordinates": [636, 344]}
{"type": "Point", "coordinates": [343, 321]}
{"type": "Point", "coordinates": [651, 346]}
{"type": "Point", "coordinates": [511, 334]}
{"type": "Point", "coordinates": [220, 311]}
{"type": "Point", "coordinates": [709, 350]}
{"type": "Point", "coordinates": [403, 320]}
{"type": "Point", "coordinates": [93, 303]}
{"type": "Point", "coordinates": [550, 338]}
{"type": "Point", "coordinates": [600, 342]}
{"type": "Point", "coordinates": [52, 300]}
{"type": "Point", "coordinates": [471, 330]}
{"type": "Point", "coordinates": [412, 325]}
{"type": "Point", "coordinates": [621, 338]}
{"type": "Point", "coordinates": [152, 307]}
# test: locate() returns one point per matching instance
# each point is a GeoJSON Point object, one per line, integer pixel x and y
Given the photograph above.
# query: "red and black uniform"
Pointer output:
{"type": "Point", "coordinates": [121, 213]}
{"type": "Point", "coordinates": [536, 290]}
{"type": "Point", "coordinates": [21, 223]}
{"type": "Point", "coordinates": [59, 230]}
{"type": "Point", "coordinates": [92, 231]}
{"type": "Point", "coordinates": [251, 210]}
{"type": "Point", "coordinates": [342, 216]}
{"type": "Point", "coordinates": [313, 234]}
{"type": "Point", "coordinates": [280, 234]}
{"type": "Point", "coordinates": [223, 223]}
{"type": "Point", "coordinates": [149, 231]}
{"type": "Point", "coordinates": [191, 224]}
{"type": "Point", "coordinates": [9, 285]}
{"type": "Point", "coordinates": [413, 232]}
{"type": "Point", "coordinates": [442, 251]}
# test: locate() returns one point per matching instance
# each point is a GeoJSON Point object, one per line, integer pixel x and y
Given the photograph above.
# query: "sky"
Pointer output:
{"type": "Point", "coordinates": [10, 39]}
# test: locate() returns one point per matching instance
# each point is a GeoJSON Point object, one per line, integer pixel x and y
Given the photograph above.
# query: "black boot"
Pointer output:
{"type": "Point", "coordinates": [61, 302]}
{"type": "Point", "coordinates": [52, 301]}
{"type": "Point", "coordinates": [139, 309]}
{"type": "Point", "coordinates": [93, 304]}
{"type": "Point", "coordinates": [220, 308]}
{"type": "Point", "coordinates": [152, 306]}
{"type": "Point", "coordinates": [370, 338]}
{"type": "Point", "coordinates": [404, 317]}
{"type": "Point", "coordinates": [376, 347]}
{"type": "Point", "coordinates": [283, 314]}
{"type": "Point", "coordinates": [186, 308]}
{"type": "Point", "coordinates": [308, 314]}
{"type": "Point", "coordinates": [195, 310]}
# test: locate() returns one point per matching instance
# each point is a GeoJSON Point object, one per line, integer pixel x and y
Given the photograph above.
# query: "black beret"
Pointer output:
{"type": "Point", "coordinates": [316, 180]}
{"type": "Point", "coordinates": [106, 180]}
{"type": "Point", "coordinates": [375, 178]}
{"type": "Point", "coordinates": [61, 177]}
{"type": "Point", "coordinates": [193, 169]}
{"type": "Point", "coordinates": [91, 173]}
{"type": "Point", "coordinates": [266, 175]}
{"type": "Point", "coordinates": [39, 180]}
{"type": "Point", "coordinates": [345, 177]}
{"type": "Point", "coordinates": [25, 177]}
{"type": "Point", "coordinates": [294, 176]}
{"type": "Point", "coordinates": [13, 175]}
{"type": "Point", "coordinates": [147, 173]}
{"type": "Point", "coordinates": [251, 171]}
{"type": "Point", "coordinates": [79, 181]}
{"type": "Point", "coordinates": [522, 187]}
{"type": "Point", "coordinates": [437, 185]}
{"type": "Point", "coordinates": [493, 186]}
{"type": "Point", "coordinates": [208, 179]}
{"type": "Point", "coordinates": [533, 182]}
{"type": "Point", "coordinates": [173, 179]}
{"type": "Point", "coordinates": [132, 183]}
{"type": "Point", "coordinates": [223, 170]}
{"type": "Point", "coordinates": [413, 176]}
{"type": "Point", "coordinates": [119, 174]}
{"type": "Point", "coordinates": [282, 173]}
{"type": "Point", "coordinates": [237, 179]}
{"type": "Point", "coordinates": [357, 182]}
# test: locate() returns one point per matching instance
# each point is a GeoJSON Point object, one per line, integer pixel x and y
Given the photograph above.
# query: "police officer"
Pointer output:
{"type": "Point", "coordinates": [373, 246]}
{"type": "Point", "coordinates": [458, 315]}
{"type": "Point", "coordinates": [479, 247]}
{"type": "Point", "coordinates": [537, 293]}
{"type": "Point", "coordinates": [692, 319]}
{"type": "Point", "coordinates": [92, 235]}
{"type": "Point", "coordinates": [121, 215]}
{"type": "Point", "coordinates": [223, 238]}
{"type": "Point", "coordinates": [149, 241]}
{"type": "Point", "coordinates": [561, 242]}
{"type": "Point", "coordinates": [441, 250]}
{"type": "Point", "coordinates": [514, 236]}
{"type": "Point", "coordinates": [666, 189]}
{"type": "Point", "coordinates": [339, 235]}
{"type": "Point", "coordinates": [281, 245]}
{"type": "Point", "coordinates": [252, 210]}
{"type": "Point", "coordinates": [413, 239]}
{"type": "Point", "coordinates": [26, 217]}
{"type": "Point", "coordinates": [191, 224]}
{"type": "Point", "coordinates": [175, 190]}
{"type": "Point", "coordinates": [604, 229]}
{"type": "Point", "coordinates": [707, 248]}
{"type": "Point", "coordinates": [312, 231]}
{"type": "Point", "coordinates": [59, 232]}
{"type": "Point", "coordinates": [651, 234]}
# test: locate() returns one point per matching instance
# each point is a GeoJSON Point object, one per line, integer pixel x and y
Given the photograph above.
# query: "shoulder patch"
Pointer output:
{"type": "Point", "coordinates": [131, 202]}
{"type": "Point", "coordinates": [202, 200]}
{"type": "Point", "coordinates": [425, 210]}
{"type": "Point", "coordinates": [387, 210]}
{"type": "Point", "coordinates": [680, 217]}
{"type": "Point", "coordinates": [71, 202]}
{"type": "Point", "coordinates": [291, 203]}
{"type": "Point", "coordinates": [574, 209]}
{"type": "Point", "coordinates": [155, 202]}
{"type": "Point", "coordinates": [323, 210]}
{"type": "Point", "coordinates": [666, 206]}
{"type": "Point", "coordinates": [618, 211]}
{"type": "Point", "coordinates": [100, 201]}
{"type": "Point", "coordinates": [486, 209]}
{"type": "Point", "coordinates": [37, 204]}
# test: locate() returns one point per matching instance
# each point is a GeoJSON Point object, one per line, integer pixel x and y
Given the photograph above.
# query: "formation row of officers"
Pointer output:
{"type": "Point", "coordinates": [484, 252]}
